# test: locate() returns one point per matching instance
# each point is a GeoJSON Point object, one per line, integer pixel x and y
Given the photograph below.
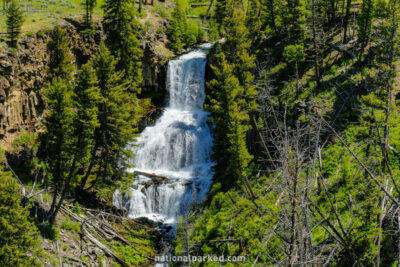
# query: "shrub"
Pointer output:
{"type": "Point", "coordinates": [70, 225]}
{"type": "Point", "coordinates": [77, 209]}
{"type": "Point", "coordinates": [18, 235]}
{"type": "Point", "coordinates": [25, 145]}
{"type": "Point", "coordinates": [182, 33]}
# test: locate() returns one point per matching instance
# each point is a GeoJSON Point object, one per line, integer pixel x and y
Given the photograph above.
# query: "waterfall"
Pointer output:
{"type": "Point", "coordinates": [177, 147]}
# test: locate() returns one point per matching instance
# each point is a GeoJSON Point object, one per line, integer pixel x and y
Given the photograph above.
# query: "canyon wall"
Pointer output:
{"type": "Point", "coordinates": [23, 74]}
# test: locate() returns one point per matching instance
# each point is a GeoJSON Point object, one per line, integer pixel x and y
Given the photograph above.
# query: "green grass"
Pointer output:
{"type": "Point", "coordinates": [70, 225]}
{"type": "Point", "coordinates": [46, 13]}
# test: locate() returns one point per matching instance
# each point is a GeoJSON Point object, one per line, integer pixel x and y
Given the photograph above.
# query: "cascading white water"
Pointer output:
{"type": "Point", "coordinates": [178, 147]}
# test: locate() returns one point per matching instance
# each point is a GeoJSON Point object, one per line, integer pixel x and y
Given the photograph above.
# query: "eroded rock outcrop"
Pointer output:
{"type": "Point", "coordinates": [23, 74]}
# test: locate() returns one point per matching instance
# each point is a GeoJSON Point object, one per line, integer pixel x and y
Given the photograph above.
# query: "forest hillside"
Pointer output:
{"type": "Point", "coordinates": [303, 101]}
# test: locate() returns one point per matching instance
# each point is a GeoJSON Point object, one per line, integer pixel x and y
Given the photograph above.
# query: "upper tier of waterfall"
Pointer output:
{"type": "Point", "coordinates": [178, 147]}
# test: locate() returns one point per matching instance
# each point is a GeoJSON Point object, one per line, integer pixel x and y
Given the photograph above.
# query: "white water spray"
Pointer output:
{"type": "Point", "coordinates": [178, 147]}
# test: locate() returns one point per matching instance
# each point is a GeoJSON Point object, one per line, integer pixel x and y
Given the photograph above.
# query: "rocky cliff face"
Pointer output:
{"type": "Point", "coordinates": [23, 75]}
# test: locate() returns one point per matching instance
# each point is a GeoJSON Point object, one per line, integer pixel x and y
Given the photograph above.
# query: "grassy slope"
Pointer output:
{"type": "Point", "coordinates": [45, 13]}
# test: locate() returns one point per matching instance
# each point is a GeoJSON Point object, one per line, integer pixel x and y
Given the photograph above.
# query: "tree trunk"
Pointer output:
{"type": "Point", "coordinates": [316, 49]}
{"type": "Point", "coordinates": [208, 12]}
{"type": "Point", "coordinates": [89, 170]}
{"type": "Point", "coordinates": [54, 214]}
{"type": "Point", "coordinates": [346, 21]}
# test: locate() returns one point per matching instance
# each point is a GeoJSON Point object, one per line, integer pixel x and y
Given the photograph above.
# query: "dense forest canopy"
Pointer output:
{"type": "Point", "coordinates": [304, 101]}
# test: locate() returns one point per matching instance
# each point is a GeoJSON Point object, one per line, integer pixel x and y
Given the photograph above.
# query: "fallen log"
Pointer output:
{"type": "Point", "coordinates": [151, 175]}
{"type": "Point", "coordinates": [129, 220]}
{"type": "Point", "coordinates": [193, 17]}
{"type": "Point", "coordinates": [103, 230]}
{"type": "Point", "coordinates": [341, 50]}
{"type": "Point", "coordinates": [101, 246]}
{"type": "Point", "coordinates": [75, 259]}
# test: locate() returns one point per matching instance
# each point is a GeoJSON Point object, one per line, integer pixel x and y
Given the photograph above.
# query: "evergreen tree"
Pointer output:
{"type": "Point", "coordinates": [365, 23]}
{"type": "Point", "coordinates": [253, 20]}
{"type": "Point", "coordinates": [69, 130]}
{"type": "Point", "coordinates": [177, 27]}
{"type": "Point", "coordinates": [294, 18]}
{"type": "Point", "coordinates": [237, 48]}
{"type": "Point", "coordinates": [270, 10]}
{"type": "Point", "coordinates": [181, 32]}
{"type": "Point", "coordinates": [18, 236]}
{"type": "Point", "coordinates": [58, 138]}
{"type": "Point", "coordinates": [86, 99]}
{"type": "Point", "coordinates": [116, 128]}
{"type": "Point", "coordinates": [231, 97]}
{"type": "Point", "coordinates": [89, 6]}
{"type": "Point", "coordinates": [15, 19]}
{"type": "Point", "coordinates": [61, 60]}
{"type": "Point", "coordinates": [221, 12]}
{"type": "Point", "coordinates": [121, 28]}
{"type": "Point", "coordinates": [230, 116]}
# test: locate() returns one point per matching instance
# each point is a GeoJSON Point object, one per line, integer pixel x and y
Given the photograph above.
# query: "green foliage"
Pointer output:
{"type": "Point", "coordinates": [181, 32]}
{"type": "Point", "coordinates": [2, 158]}
{"type": "Point", "coordinates": [77, 209]}
{"type": "Point", "coordinates": [294, 53]}
{"type": "Point", "coordinates": [231, 99]}
{"type": "Point", "coordinates": [58, 129]}
{"type": "Point", "coordinates": [224, 220]}
{"type": "Point", "coordinates": [25, 145]}
{"type": "Point", "coordinates": [86, 98]}
{"type": "Point", "coordinates": [61, 60]}
{"type": "Point", "coordinates": [88, 6]}
{"type": "Point", "coordinates": [229, 116]}
{"type": "Point", "coordinates": [115, 108]}
{"type": "Point", "coordinates": [15, 19]}
{"type": "Point", "coordinates": [121, 28]}
{"type": "Point", "coordinates": [18, 236]}
{"type": "Point", "coordinates": [365, 21]}
{"type": "Point", "coordinates": [177, 27]}
{"type": "Point", "coordinates": [70, 226]}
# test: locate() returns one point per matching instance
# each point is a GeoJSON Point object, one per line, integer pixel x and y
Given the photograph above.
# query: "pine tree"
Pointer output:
{"type": "Point", "coordinates": [116, 128]}
{"type": "Point", "coordinates": [58, 138]}
{"type": "Point", "coordinates": [230, 116]}
{"type": "Point", "coordinates": [15, 19]}
{"type": "Point", "coordinates": [294, 18]}
{"type": "Point", "coordinates": [237, 48]}
{"type": "Point", "coordinates": [231, 98]}
{"type": "Point", "coordinates": [86, 99]}
{"type": "Point", "coordinates": [121, 28]}
{"type": "Point", "coordinates": [253, 20]}
{"type": "Point", "coordinates": [177, 27]}
{"type": "Point", "coordinates": [270, 15]}
{"type": "Point", "coordinates": [69, 130]}
{"type": "Point", "coordinates": [61, 60]}
{"type": "Point", "coordinates": [221, 12]}
{"type": "Point", "coordinates": [365, 24]}
{"type": "Point", "coordinates": [18, 236]}
{"type": "Point", "coordinates": [89, 6]}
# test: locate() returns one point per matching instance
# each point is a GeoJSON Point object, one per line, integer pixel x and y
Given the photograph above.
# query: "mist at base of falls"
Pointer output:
{"type": "Point", "coordinates": [177, 147]}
